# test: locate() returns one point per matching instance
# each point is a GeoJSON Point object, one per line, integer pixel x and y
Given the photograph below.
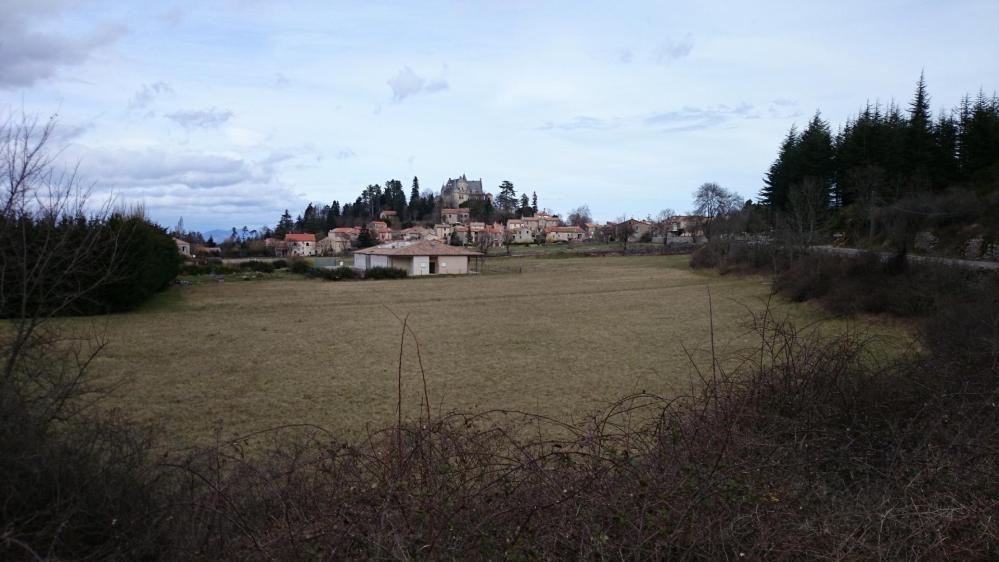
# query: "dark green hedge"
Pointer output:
{"type": "Point", "coordinates": [83, 266]}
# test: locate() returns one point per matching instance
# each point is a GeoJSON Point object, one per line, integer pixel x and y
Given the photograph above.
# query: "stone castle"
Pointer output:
{"type": "Point", "coordinates": [454, 192]}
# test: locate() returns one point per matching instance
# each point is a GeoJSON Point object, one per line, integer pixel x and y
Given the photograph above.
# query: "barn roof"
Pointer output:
{"type": "Point", "coordinates": [421, 248]}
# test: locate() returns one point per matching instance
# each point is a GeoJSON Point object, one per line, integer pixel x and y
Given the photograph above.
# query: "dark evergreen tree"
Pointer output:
{"type": "Point", "coordinates": [415, 202]}
{"type": "Point", "coordinates": [365, 239]}
{"type": "Point", "coordinates": [919, 141]}
{"type": "Point", "coordinates": [777, 182]}
{"type": "Point", "coordinates": [506, 201]}
{"type": "Point", "coordinates": [284, 225]}
{"type": "Point", "coordinates": [944, 165]}
{"type": "Point", "coordinates": [525, 206]}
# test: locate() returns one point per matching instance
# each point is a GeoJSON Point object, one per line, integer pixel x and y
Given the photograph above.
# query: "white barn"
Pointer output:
{"type": "Point", "coordinates": [425, 257]}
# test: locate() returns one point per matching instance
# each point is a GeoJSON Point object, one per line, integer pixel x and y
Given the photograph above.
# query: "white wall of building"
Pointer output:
{"type": "Point", "coordinates": [452, 264]}
{"type": "Point", "coordinates": [421, 265]}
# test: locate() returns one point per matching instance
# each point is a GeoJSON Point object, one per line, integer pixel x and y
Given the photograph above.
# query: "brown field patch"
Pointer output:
{"type": "Point", "coordinates": [563, 338]}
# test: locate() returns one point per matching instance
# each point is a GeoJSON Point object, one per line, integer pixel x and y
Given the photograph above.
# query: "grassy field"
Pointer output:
{"type": "Point", "coordinates": [563, 338]}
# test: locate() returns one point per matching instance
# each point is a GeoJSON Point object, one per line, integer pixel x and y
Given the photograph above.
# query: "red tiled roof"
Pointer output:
{"type": "Point", "coordinates": [454, 211]}
{"type": "Point", "coordinates": [291, 237]}
{"type": "Point", "coordinates": [574, 229]}
{"type": "Point", "coordinates": [421, 248]}
{"type": "Point", "coordinates": [347, 230]}
{"type": "Point", "coordinates": [389, 213]}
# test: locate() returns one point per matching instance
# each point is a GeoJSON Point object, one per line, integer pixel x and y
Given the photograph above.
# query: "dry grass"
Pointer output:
{"type": "Point", "coordinates": [563, 338]}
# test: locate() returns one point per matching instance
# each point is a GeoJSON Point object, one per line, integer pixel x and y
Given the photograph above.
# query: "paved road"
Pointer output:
{"type": "Point", "coordinates": [968, 264]}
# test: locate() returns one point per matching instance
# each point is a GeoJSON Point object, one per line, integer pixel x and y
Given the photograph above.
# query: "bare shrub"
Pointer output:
{"type": "Point", "coordinates": [74, 481]}
{"type": "Point", "coordinates": [812, 447]}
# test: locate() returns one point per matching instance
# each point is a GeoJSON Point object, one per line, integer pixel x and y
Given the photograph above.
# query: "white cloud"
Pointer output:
{"type": "Point", "coordinates": [205, 188]}
{"type": "Point", "coordinates": [670, 50]}
{"type": "Point", "coordinates": [173, 16]}
{"type": "Point", "coordinates": [407, 83]}
{"type": "Point", "coordinates": [28, 54]}
{"type": "Point", "coordinates": [200, 118]}
{"type": "Point", "coordinates": [147, 94]}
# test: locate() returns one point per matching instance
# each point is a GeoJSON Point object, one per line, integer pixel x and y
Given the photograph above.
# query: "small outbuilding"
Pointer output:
{"type": "Point", "coordinates": [183, 246]}
{"type": "Point", "coordinates": [425, 257]}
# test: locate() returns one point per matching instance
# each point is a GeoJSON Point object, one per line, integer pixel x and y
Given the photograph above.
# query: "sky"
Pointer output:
{"type": "Point", "coordinates": [225, 113]}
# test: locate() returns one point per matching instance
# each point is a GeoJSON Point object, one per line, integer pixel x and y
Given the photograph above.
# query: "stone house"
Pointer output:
{"type": "Point", "coordinates": [334, 244]}
{"type": "Point", "coordinates": [183, 246]}
{"type": "Point", "coordinates": [686, 225]}
{"type": "Point", "coordinates": [638, 229]}
{"type": "Point", "coordinates": [519, 234]}
{"type": "Point", "coordinates": [454, 216]}
{"type": "Point", "coordinates": [563, 234]}
{"type": "Point", "coordinates": [415, 233]}
{"type": "Point", "coordinates": [546, 220]}
{"type": "Point", "coordinates": [278, 247]}
{"type": "Point", "coordinates": [351, 232]}
{"type": "Point", "coordinates": [533, 224]}
{"type": "Point", "coordinates": [424, 257]}
{"type": "Point", "coordinates": [443, 231]}
{"type": "Point", "coordinates": [301, 244]}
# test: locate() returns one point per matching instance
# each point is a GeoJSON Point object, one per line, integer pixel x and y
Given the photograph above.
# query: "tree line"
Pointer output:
{"type": "Point", "coordinates": [885, 164]}
{"type": "Point", "coordinates": [421, 206]}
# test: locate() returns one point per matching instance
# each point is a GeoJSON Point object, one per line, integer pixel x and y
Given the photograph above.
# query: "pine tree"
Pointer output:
{"type": "Point", "coordinates": [415, 204]}
{"type": "Point", "coordinates": [534, 203]}
{"type": "Point", "coordinates": [284, 225]}
{"type": "Point", "coordinates": [944, 165]}
{"type": "Point", "coordinates": [815, 158]}
{"type": "Point", "coordinates": [364, 239]}
{"type": "Point", "coordinates": [919, 141]}
{"type": "Point", "coordinates": [332, 212]}
{"type": "Point", "coordinates": [777, 181]}
{"type": "Point", "coordinates": [506, 201]}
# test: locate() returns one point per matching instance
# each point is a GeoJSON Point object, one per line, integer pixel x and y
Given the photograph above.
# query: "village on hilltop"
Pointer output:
{"type": "Point", "coordinates": [452, 224]}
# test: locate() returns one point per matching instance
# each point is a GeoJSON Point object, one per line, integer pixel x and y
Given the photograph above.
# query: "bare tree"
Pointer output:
{"type": "Point", "coordinates": [714, 202]}
{"type": "Point", "coordinates": [57, 249]}
{"type": "Point", "coordinates": [663, 224]}
{"type": "Point", "coordinates": [508, 237]}
{"type": "Point", "coordinates": [580, 216]}
{"type": "Point", "coordinates": [807, 202]}
{"type": "Point", "coordinates": [484, 241]}
{"type": "Point", "coordinates": [623, 230]}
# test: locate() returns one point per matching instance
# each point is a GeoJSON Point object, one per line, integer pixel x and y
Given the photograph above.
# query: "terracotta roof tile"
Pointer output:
{"type": "Point", "coordinates": [421, 248]}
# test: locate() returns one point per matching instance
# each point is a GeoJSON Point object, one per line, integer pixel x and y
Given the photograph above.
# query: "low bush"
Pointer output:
{"type": "Point", "coordinates": [280, 264]}
{"type": "Point", "coordinates": [299, 266]}
{"type": "Point", "coordinates": [869, 284]}
{"type": "Point", "coordinates": [260, 266]}
{"type": "Point", "coordinates": [334, 273]}
{"type": "Point", "coordinates": [385, 273]}
{"type": "Point", "coordinates": [736, 257]}
{"type": "Point", "coordinates": [199, 268]}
